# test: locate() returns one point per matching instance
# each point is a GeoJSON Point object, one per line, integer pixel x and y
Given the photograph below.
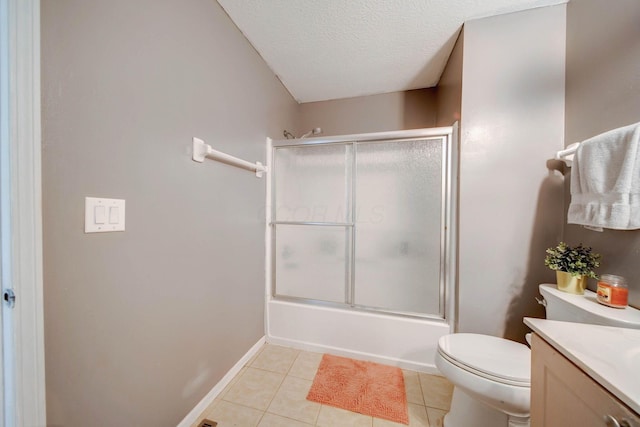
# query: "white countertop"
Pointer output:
{"type": "Point", "coordinates": [611, 356]}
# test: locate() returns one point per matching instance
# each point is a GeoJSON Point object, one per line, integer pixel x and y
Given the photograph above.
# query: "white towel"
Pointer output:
{"type": "Point", "coordinates": [605, 180]}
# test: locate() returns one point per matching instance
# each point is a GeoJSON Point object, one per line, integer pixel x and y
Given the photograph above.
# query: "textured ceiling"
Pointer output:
{"type": "Point", "coordinates": [330, 49]}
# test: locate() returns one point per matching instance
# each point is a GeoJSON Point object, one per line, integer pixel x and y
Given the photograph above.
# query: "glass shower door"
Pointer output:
{"type": "Point", "coordinates": [398, 225]}
{"type": "Point", "coordinates": [361, 224]}
{"type": "Point", "coordinates": [312, 222]}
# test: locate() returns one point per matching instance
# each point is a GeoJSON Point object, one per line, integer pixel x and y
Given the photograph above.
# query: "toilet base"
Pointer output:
{"type": "Point", "coordinates": [467, 411]}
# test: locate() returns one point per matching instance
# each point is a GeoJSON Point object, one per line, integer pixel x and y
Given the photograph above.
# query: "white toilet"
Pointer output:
{"type": "Point", "coordinates": [492, 376]}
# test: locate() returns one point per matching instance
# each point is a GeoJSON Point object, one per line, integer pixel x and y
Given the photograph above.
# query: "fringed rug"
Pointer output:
{"type": "Point", "coordinates": [364, 387]}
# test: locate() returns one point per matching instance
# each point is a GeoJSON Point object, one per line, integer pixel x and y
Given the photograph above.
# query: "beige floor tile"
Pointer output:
{"type": "Point", "coordinates": [198, 421]}
{"type": "Point", "coordinates": [233, 381]}
{"type": "Point", "coordinates": [436, 391]}
{"type": "Point", "coordinates": [417, 418]}
{"type": "Point", "coordinates": [254, 357]}
{"type": "Point", "coordinates": [306, 365]}
{"type": "Point", "coordinates": [436, 417]}
{"type": "Point", "coordinates": [332, 417]}
{"type": "Point", "coordinates": [211, 407]}
{"type": "Point", "coordinates": [291, 401]}
{"type": "Point", "coordinates": [228, 414]}
{"type": "Point", "coordinates": [412, 387]}
{"type": "Point", "coordinates": [272, 420]}
{"type": "Point", "coordinates": [275, 358]}
{"type": "Point", "coordinates": [263, 385]}
{"type": "Point", "coordinates": [255, 388]}
{"type": "Point", "coordinates": [206, 412]}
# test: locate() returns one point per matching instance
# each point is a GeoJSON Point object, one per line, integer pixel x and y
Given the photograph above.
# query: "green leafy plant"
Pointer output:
{"type": "Point", "coordinates": [578, 261]}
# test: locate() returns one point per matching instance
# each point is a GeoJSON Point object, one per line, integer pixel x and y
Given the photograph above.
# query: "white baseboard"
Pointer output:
{"type": "Point", "coordinates": [192, 416]}
{"type": "Point", "coordinates": [319, 348]}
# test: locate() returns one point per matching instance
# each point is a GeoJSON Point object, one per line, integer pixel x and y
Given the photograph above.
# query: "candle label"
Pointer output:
{"type": "Point", "coordinates": [612, 296]}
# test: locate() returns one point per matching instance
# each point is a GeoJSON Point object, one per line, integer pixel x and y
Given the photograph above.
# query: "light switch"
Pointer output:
{"type": "Point", "coordinates": [99, 214]}
{"type": "Point", "coordinates": [103, 215]}
{"type": "Point", "coordinates": [114, 215]}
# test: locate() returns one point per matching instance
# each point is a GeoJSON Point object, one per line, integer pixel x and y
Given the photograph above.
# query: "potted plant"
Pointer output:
{"type": "Point", "coordinates": [572, 266]}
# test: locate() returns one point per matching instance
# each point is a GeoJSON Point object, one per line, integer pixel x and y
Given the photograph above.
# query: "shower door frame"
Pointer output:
{"type": "Point", "coordinates": [448, 222]}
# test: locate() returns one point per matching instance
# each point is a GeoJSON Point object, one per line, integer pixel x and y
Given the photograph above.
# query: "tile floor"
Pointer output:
{"type": "Point", "coordinates": [271, 390]}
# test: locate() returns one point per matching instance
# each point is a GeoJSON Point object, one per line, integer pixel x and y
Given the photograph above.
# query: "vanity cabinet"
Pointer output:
{"type": "Point", "coordinates": [563, 395]}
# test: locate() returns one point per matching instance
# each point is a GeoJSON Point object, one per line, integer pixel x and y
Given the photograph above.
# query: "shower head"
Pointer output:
{"type": "Point", "coordinates": [314, 131]}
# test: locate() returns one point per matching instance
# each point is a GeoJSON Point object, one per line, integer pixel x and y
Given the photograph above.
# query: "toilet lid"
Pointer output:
{"type": "Point", "coordinates": [495, 357]}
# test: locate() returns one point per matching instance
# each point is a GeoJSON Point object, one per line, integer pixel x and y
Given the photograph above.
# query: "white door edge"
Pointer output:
{"type": "Point", "coordinates": [26, 210]}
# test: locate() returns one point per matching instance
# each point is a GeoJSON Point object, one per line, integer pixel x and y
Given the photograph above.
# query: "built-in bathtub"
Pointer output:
{"type": "Point", "coordinates": [308, 316]}
{"type": "Point", "coordinates": [410, 343]}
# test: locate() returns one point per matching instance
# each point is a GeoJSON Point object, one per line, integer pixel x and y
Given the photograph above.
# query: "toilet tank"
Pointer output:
{"type": "Point", "coordinates": [586, 309]}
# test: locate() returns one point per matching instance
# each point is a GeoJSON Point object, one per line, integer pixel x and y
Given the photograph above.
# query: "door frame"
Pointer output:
{"type": "Point", "coordinates": [26, 210]}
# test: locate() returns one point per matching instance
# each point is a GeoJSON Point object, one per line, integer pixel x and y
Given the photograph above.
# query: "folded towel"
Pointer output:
{"type": "Point", "coordinates": [605, 180]}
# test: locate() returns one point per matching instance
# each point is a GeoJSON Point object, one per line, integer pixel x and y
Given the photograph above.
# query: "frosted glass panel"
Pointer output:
{"type": "Point", "coordinates": [311, 183]}
{"type": "Point", "coordinates": [311, 262]}
{"type": "Point", "coordinates": [398, 225]}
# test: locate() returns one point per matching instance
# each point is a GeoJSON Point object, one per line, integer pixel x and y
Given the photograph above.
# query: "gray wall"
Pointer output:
{"type": "Point", "coordinates": [140, 325]}
{"type": "Point", "coordinates": [449, 90]}
{"type": "Point", "coordinates": [603, 93]}
{"type": "Point", "coordinates": [510, 204]}
{"type": "Point", "coordinates": [413, 109]}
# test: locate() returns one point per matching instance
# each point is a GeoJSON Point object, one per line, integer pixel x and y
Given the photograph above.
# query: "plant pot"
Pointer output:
{"type": "Point", "coordinates": [571, 284]}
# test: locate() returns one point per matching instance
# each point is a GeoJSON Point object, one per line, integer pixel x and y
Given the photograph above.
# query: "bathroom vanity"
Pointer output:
{"type": "Point", "coordinates": [584, 375]}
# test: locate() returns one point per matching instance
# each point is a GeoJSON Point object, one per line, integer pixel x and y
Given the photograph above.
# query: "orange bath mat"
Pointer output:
{"type": "Point", "coordinates": [364, 387]}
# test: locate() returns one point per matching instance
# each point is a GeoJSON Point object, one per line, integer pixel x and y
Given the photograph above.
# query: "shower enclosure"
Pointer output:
{"type": "Point", "coordinates": [360, 232]}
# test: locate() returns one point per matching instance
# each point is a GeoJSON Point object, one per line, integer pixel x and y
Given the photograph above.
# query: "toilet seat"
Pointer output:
{"type": "Point", "coordinates": [493, 358]}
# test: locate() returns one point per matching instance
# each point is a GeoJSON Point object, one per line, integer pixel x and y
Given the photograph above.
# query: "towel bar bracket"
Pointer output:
{"type": "Point", "coordinates": [201, 150]}
{"type": "Point", "coordinates": [567, 154]}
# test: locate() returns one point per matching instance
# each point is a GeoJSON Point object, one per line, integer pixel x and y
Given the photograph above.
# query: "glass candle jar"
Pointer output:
{"type": "Point", "coordinates": [613, 291]}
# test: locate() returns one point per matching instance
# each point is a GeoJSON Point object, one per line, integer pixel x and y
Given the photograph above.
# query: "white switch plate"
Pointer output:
{"type": "Point", "coordinates": [113, 209]}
